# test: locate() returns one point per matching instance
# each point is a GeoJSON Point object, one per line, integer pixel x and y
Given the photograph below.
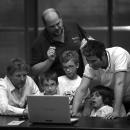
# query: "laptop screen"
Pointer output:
{"type": "Point", "coordinates": [49, 109]}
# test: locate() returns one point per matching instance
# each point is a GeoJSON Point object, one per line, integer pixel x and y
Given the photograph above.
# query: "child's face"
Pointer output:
{"type": "Point", "coordinates": [96, 100]}
{"type": "Point", "coordinates": [70, 69]}
{"type": "Point", "coordinates": [50, 87]}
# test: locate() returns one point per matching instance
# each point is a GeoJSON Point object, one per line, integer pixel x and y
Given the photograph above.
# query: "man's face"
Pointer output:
{"type": "Point", "coordinates": [94, 62]}
{"type": "Point", "coordinates": [70, 69]}
{"type": "Point", "coordinates": [54, 25]}
{"type": "Point", "coordinates": [18, 79]}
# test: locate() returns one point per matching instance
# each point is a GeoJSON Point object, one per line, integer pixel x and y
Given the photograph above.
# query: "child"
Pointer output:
{"type": "Point", "coordinates": [101, 101]}
{"type": "Point", "coordinates": [49, 83]}
{"type": "Point", "coordinates": [69, 82]}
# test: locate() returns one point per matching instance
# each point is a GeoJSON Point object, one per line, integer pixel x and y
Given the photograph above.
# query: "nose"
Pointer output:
{"type": "Point", "coordinates": [22, 78]}
{"type": "Point", "coordinates": [56, 27]}
{"type": "Point", "coordinates": [49, 87]}
{"type": "Point", "coordinates": [91, 65]}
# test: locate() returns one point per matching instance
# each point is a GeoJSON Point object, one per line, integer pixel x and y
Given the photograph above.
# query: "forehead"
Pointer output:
{"type": "Point", "coordinates": [91, 58]}
{"type": "Point", "coordinates": [47, 81]}
{"type": "Point", "coordinates": [51, 18]}
{"type": "Point", "coordinates": [70, 62]}
{"type": "Point", "coordinates": [20, 72]}
{"type": "Point", "coordinates": [95, 93]}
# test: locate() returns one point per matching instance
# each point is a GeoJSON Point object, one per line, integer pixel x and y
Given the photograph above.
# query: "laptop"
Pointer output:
{"type": "Point", "coordinates": [49, 109]}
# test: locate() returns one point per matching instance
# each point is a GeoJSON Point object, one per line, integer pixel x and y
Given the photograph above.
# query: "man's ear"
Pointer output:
{"type": "Point", "coordinates": [77, 65]}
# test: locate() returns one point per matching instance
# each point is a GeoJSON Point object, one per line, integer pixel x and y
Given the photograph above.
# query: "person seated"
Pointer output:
{"type": "Point", "coordinates": [100, 103]}
{"type": "Point", "coordinates": [49, 83]}
{"type": "Point", "coordinates": [15, 87]}
{"type": "Point", "coordinates": [69, 82]}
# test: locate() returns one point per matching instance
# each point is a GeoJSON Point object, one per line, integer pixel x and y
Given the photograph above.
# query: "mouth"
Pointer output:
{"type": "Point", "coordinates": [93, 103]}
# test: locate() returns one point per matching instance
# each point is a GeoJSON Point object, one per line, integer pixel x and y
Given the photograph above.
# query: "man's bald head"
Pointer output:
{"type": "Point", "coordinates": [49, 15]}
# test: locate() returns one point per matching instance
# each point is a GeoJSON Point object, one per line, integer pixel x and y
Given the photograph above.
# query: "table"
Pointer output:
{"type": "Point", "coordinates": [84, 123]}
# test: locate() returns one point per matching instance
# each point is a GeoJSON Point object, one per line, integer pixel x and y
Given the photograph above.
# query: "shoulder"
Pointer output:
{"type": "Point", "coordinates": [79, 78]}
{"type": "Point", "coordinates": [61, 78]}
{"type": "Point", "coordinates": [106, 108]}
{"type": "Point", "coordinates": [4, 83]}
{"type": "Point", "coordinates": [29, 80]}
{"type": "Point", "coordinates": [116, 51]}
{"type": "Point", "coordinates": [40, 38]}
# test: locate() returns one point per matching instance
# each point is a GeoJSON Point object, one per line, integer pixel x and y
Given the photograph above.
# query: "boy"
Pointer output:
{"type": "Point", "coordinates": [69, 83]}
{"type": "Point", "coordinates": [49, 83]}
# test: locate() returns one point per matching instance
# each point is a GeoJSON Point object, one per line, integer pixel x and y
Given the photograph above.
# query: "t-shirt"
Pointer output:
{"type": "Point", "coordinates": [119, 60]}
{"type": "Point", "coordinates": [101, 112]}
{"type": "Point", "coordinates": [67, 87]}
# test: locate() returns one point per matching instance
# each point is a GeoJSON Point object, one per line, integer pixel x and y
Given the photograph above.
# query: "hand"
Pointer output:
{"type": "Point", "coordinates": [25, 112]}
{"type": "Point", "coordinates": [112, 115]}
{"type": "Point", "coordinates": [74, 114]}
{"type": "Point", "coordinates": [84, 41]}
{"type": "Point", "coordinates": [51, 53]}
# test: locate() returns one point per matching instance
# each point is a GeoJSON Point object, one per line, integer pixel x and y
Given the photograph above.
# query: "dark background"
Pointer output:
{"type": "Point", "coordinates": [20, 23]}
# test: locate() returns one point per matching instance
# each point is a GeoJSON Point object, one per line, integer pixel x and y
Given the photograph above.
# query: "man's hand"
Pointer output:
{"type": "Point", "coordinates": [112, 115]}
{"type": "Point", "coordinates": [25, 112]}
{"type": "Point", "coordinates": [75, 114]}
{"type": "Point", "coordinates": [51, 53]}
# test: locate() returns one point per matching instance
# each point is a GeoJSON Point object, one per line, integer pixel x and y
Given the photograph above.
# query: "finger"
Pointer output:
{"type": "Point", "coordinates": [52, 47]}
{"type": "Point", "coordinates": [83, 43]}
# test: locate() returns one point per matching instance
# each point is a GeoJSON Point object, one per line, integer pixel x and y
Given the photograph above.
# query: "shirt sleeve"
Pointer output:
{"type": "Point", "coordinates": [5, 108]}
{"type": "Point", "coordinates": [121, 62]}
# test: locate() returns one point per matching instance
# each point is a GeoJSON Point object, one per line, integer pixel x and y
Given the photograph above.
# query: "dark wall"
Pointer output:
{"type": "Point", "coordinates": [20, 18]}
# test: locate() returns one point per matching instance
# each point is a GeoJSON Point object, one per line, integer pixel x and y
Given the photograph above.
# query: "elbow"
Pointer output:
{"type": "Point", "coordinates": [3, 109]}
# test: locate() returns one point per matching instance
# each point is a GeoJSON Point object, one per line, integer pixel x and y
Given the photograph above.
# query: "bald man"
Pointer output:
{"type": "Point", "coordinates": [56, 37]}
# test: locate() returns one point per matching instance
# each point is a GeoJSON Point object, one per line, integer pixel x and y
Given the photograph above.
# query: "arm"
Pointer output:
{"type": "Point", "coordinates": [5, 107]}
{"type": "Point", "coordinates": [80, 94]}
{"type": "Point", "coordinates": [42, 66]}
{"type": "Point", "coordinates": [45, 65]}
{"type": "Point", "coordinates": [118, 94]}
{"type": "Point", "coordinates": [118, 90]}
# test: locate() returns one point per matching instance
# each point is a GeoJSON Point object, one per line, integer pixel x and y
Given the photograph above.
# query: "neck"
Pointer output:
{"type": "Point", "coordinates": [105, 61]}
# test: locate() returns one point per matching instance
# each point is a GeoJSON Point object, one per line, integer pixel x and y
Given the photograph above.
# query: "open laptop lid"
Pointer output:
{"type": "Point", "coordinates": [49, 109]}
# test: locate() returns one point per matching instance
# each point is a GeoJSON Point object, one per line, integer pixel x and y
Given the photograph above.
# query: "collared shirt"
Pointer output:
{"type": "Point", "coordinates": [12, 101]}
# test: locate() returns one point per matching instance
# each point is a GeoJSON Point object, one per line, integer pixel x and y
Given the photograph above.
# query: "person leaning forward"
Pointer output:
{"type": "Point", "coordinates": [109, 66]}
{"type": "Point", "coordinates": [15, 87]}
{"type": "Point", "coordinates": [56, 37]}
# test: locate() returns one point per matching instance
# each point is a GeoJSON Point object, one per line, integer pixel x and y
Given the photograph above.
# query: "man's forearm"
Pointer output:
{"type": "Point", "coordinates": [77, 101]}
{"type": "Point", "coordinates": [118, 98]}
{"type": "Point", "coordinates": [42, 66]}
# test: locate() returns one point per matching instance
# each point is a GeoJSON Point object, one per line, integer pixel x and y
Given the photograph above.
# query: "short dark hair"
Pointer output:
{"type": "Point", "coordinates": [45, 12]}
{"type": "Point", "coordinates": [69, 55]}
{"type": "Point", "coordinates": [106, 93]}
{"type": "Point", "coordinates": [49, 75]}
{"type": "Point", "coordinates": [94, 48]}
{"type": "Point", "coordinates": [16, 64]}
